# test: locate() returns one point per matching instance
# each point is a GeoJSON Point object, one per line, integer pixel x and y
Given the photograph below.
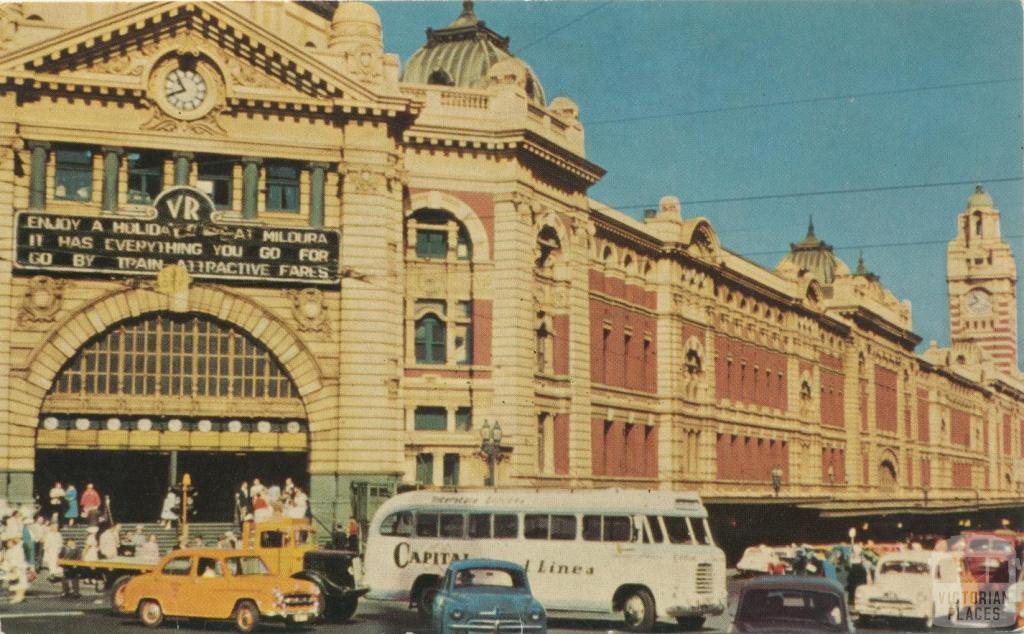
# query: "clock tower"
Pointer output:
{"type": "Point", "coordinates": [982, 279]}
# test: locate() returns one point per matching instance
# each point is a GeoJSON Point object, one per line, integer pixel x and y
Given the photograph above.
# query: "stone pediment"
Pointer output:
{"type": "Point", "coordinates": [118, 55]}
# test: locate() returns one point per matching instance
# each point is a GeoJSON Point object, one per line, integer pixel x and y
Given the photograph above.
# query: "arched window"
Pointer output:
{"type": "Point", "coordinates": [440, 78]}
{"type": "Point", "coordinates": [434, 229]}
{"type": "Point", "coordinates": [548, 247]}
{"type": "Point", "coordinates": [977, 225]}
{"type": "Point", "coordinates": [430, 340]}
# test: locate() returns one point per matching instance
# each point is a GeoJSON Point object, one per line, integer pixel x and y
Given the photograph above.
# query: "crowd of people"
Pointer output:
{"type": "Point", "coordinates": [259, 502]}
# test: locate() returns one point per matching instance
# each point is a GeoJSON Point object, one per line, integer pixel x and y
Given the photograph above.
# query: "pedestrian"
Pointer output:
{"type": "Point", "coordinates": [353, 533]}
{"type": "Point", "coordinates": [289, 486]}
{"type": "Point", "coordinates": [168, 514]}
{"type": "Point", "coordinates": [91, 505]}
{"type": "Point", "coordinates": [858, 574]}
{"type": "Point", "coordinates": [71, 500]}
{"type": "Point", "coordinates": [150, 551]}
{"type": "Point", "coordinates": [52, 544]}
{"type": "Point", "coordinates": [134, 542]}
{"type": "Point", "coordinates": [91, 551]}
{"type": "Point", "coordinates": [243, 504]}
{"type": "Point", "coordinates": [37, 530]}
{"type": "Point", "coordinates": [197, 542]}
{"type": "Point", "coordinates": [14, 568]}
{"type": "Point", "coordinates": [69, 581]}
{"type": "Point", "coordinates": [299, 505]}
{"type": "Point", "coordinates": [261, 510]}
{"type": "Point", "coordinates": [273, 493]}
{"type": "Point", "coordinates": [257, 487]}
{"type": "Point", "coordinates": [109, 541]}
{"type": "Point", "coordinates": [56, 498]}
{"type": "Point", "coordinates": [338, 538]}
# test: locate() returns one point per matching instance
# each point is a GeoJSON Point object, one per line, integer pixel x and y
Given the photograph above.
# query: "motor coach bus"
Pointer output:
{"type": "Point", "coordinates": [644, 554]}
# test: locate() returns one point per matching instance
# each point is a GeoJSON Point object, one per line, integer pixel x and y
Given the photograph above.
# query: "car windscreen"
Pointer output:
{"type": "Point", "coordinates": [489, 578]}
{"type": "Point", "coordinates": [775, 609]}
{"type": "Point", "coordinates": [246, 566]}
{"type": "Point", "coordinates": [906, 567]}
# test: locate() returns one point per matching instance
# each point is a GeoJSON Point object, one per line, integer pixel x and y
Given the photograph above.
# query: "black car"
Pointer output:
{"type": "Point", "coordinates": [792, 604]}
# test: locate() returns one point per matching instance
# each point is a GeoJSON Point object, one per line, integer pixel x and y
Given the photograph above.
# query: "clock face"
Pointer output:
{"type": "Point", "coordinates": [978, 302]}
{"type": "Point", "coordinates": [185, 89]}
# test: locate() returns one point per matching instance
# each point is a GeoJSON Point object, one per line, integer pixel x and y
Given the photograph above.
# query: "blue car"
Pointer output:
{"type": "Point", "coordinates": [487, 595]}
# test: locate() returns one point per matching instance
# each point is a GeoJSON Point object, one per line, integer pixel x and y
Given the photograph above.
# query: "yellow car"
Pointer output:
{"type": "Point", "coordinates": [217, 583]}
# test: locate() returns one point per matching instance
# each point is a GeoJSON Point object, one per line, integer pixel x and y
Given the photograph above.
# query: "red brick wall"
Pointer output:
{"type": "Point", "coordinates": [885, 399]}
{"type": "Point", "coordinates": [597, 448]}
{"type": "Point", "coordinates": [962, 475]}
{"type": "Point", "coordinates": [923, 424]}
{"type": "Point", "coordinates": [622, 367]}
{"type": "Point", "coordinates": [1007, 435]}
{"type": "Point", "coordinates": [736, 380]}
{"type": "Point", "coordinates": [748, 458]}
{"type": "Point", "coordinates": [561, 443]}
{"type": "Point", "coordinates": [561, 344]}
{"type": "Point", "coordinates": [836, 458]}
{"type": "Point", "coordinates": [615, 448]}
{"type": "Point", "coordinates": [863, 406]}
{"type": "Point", "coordinates": [618, 449]}
{"type": "Point", "coordinates": [926, 472]}
{"type": "Point", "coordinates": [482, 320]}
{"type": "Point", "coordinates": [651, 449]}
{"type": "Point", "coordinates": [960, 428]}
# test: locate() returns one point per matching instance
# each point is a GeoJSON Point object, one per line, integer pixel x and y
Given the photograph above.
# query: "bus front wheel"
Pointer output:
{"type": "Point", "coordinates": [690, 623]}
{"type": "Point", "coordinates": [638, 611]}
{"type": "Point", "coordinates": [425, 597]}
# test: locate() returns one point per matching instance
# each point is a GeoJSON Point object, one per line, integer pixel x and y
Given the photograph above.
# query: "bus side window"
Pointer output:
{"type": "Point", "coordinates": [563, 527]}
{"type": "Point", "coordinates": [616, 529]}
{"type": "Point", "coordinates": [426, 524]}
{"type": "Point", "coordinates": [592, 528]}
{"type": "Point", "coordinates": [655, 529]}
{"type": "Point", "coordinates": [271, 539]}
{"type": "Point", "coordinates": [506, 526]}
{"type": "Point", "coordinates": [678, 530]}
{"type": "Point", "coordinates": [397, 524]}
{"type": "Point", "coordinates": [479, 525]}
{"type": "Point", "coordinates": [535, 527]}
{"type": "Point", "coordinates": [452, 525]}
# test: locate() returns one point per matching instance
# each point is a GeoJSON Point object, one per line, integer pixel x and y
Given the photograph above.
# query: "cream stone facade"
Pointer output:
{"type": "Point", "coordinates": [475, 282]}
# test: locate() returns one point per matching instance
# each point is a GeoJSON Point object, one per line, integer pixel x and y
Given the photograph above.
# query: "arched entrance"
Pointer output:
{"type": "Point", "coordinates": [154, 397]}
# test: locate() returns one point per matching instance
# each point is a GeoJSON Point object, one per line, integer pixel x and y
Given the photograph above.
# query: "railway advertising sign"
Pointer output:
{"type": "Point", "coordinates": [183, 226]}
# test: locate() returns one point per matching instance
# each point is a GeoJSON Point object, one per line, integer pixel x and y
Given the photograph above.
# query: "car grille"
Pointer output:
{"type": "Point", "coordinates": [298, 600]}
{"type": "Point", "coordinates": [495, 625]}
{"type": "Point", "coordinates": [705, 579]}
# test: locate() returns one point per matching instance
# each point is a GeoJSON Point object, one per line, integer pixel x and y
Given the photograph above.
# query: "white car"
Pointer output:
{"type": "Point", "coordinates": [758, 560]}
{"type": "Point", "coordinates": [920, 585]}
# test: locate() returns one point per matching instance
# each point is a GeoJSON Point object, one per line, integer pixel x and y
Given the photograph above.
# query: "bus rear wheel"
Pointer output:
{"type": "Point", "coordinates": [690, 623]}
{"type": "Point", "coordinates": [638, 611]}
{"type": "Point", "coordinates": [425, 598]}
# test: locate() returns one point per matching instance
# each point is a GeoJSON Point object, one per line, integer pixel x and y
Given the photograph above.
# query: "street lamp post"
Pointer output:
{"type": "Point", "coordinates": [490, 450]}
{"type": "Point", "coordinates": [776, 479]}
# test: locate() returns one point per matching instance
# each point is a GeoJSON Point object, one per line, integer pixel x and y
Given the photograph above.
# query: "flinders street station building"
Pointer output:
{"type": "Point", "coordinates": [241, 240]}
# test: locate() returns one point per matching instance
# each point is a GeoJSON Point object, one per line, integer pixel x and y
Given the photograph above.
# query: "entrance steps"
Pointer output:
{"type": "Point", "coordinates": [167, 538]}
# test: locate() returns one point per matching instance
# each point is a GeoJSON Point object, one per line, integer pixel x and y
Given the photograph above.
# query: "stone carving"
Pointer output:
{"type": "Point", "coordinates": [208, 125]}
{"type": "Point", "coordinates": [310, 310]}
{"type": "Point", "coordinates": [246, 76]}
{"type": "Point", "coordinates": [11, 14]}
{"type": "Point", "coordinates": [43, 300]}
{"type": "Point", "coordinates": [174, 281]}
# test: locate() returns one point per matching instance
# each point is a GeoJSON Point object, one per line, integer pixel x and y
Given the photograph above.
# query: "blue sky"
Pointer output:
{"type": "Point", "coordinates": [949, 74]}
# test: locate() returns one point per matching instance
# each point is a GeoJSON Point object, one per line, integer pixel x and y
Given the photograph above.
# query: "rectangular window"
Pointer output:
{"type": "Point", "coordinates": [451, 469]}
{"type": "Point", "coordinates": [656, 536]}
{"type": "Point", "coordinates": [453, 524]}
{"type": "Point", "coordinates": [431, 418]}
{"type": "Point", "coordinates": [606, 335]}
{"type": "Point", "coordinates": [425, 468]}
{"type": "Point", "coordinates": [431, 244]}
{"type": "Point", "coordinates": [535, 526]}
{"type": "Point", "coordinates": [464, 419]}
{"type": "Point", "coordinates": [215, 179]}
{"type": "Point", "coordinates": [678, 530]}
{"type": "Point", "coordinates": [563, 527]}
{"type": "Point", "coordinates": [479, 525]}
{"type": "Point", "coordinates": [609, 528]}
{"type": "Point", "coordinates": [145, 177]}
{"type": "Point", "coordinates": [592, 528]}
{"type": "Point", "coordinates": [506, 526]}
{"type": "Point", "coordinates": [282, 187]}
{"type": "Point", "coordinates": [426, 523]}
{"type": "Point", "coordinates": [73, 179]}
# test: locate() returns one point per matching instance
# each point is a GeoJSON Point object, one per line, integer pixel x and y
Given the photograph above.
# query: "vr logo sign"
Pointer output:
{"type": "Point", "coordinates": [183, 204]}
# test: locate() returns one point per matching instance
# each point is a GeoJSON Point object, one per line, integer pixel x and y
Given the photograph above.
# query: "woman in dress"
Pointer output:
{"type": "Point", "coordinates": [56, 498]}
{"type": "Point", "coordinates": [150, 551]}
{"type": "Point", "coordinates": [52, 543]}
{"type": "Point", "coordinates": [71, 512]}
{"type": "Point", "coordinates": [168, 515]}
{"type": "Point", "coordinates": [91, 552]}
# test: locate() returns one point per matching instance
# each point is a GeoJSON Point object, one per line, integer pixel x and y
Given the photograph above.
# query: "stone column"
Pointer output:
{"type": "Point", "coordinates": [111, 173]}
{"type": "Point", "coordinates": [250, 186]}
{"type": "Point", "coordinates": [37, 174]}
{"type": "Point", "coordinates": [317, 173]}
{"type": "Point", "coordinates": [182, 167]}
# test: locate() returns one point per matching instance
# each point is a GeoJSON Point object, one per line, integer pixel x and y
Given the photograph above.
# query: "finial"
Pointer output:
{"type": "Point", "coordinates": [861, 269]}
{"type": "Point", "coordinates": [467, 7]}
{"type": "Point", "coordinates": [810, 227]}
{"type": "Point", "coordinates": [978, 189]}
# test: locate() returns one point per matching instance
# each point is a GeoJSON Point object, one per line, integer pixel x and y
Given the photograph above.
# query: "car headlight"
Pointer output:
{"type": "Point", "coordinates": [536, 615]}
{"type": "Point", "coordinates": [456, 614]}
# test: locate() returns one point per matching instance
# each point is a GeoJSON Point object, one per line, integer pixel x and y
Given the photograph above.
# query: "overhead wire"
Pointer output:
{"type": "Point", "coordinates": [562, 27]}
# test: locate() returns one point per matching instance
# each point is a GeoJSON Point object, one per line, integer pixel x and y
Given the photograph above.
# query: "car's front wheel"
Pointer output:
{"type": "Point", "coordinates": [150, 613]}
{"type": "Point", "coordinates": [247, 616]}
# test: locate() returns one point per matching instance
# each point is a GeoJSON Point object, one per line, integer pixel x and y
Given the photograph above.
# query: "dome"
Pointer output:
{"type": "Point", "coordinates": [352, 11]}
{"type": "Point", "coordinates": [355, 23]}
{"type": "Point", "coordinates": [980, 198]}
{"type": "Point", "coordinates": [461, 54]}
{"type": "Point", "coordinates": [815, 257]}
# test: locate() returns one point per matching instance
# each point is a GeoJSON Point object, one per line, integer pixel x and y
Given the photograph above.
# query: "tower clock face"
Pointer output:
{"type": "Point", "coordinates": [185, 89]}
{"type": "Point", "coordinates": [978, 302]}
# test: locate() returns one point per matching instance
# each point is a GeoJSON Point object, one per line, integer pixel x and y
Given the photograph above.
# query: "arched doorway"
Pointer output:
{"type": "Point", "coordinates": [155, 397]}
{"type": "Point", "coordinates": [887, 476]}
